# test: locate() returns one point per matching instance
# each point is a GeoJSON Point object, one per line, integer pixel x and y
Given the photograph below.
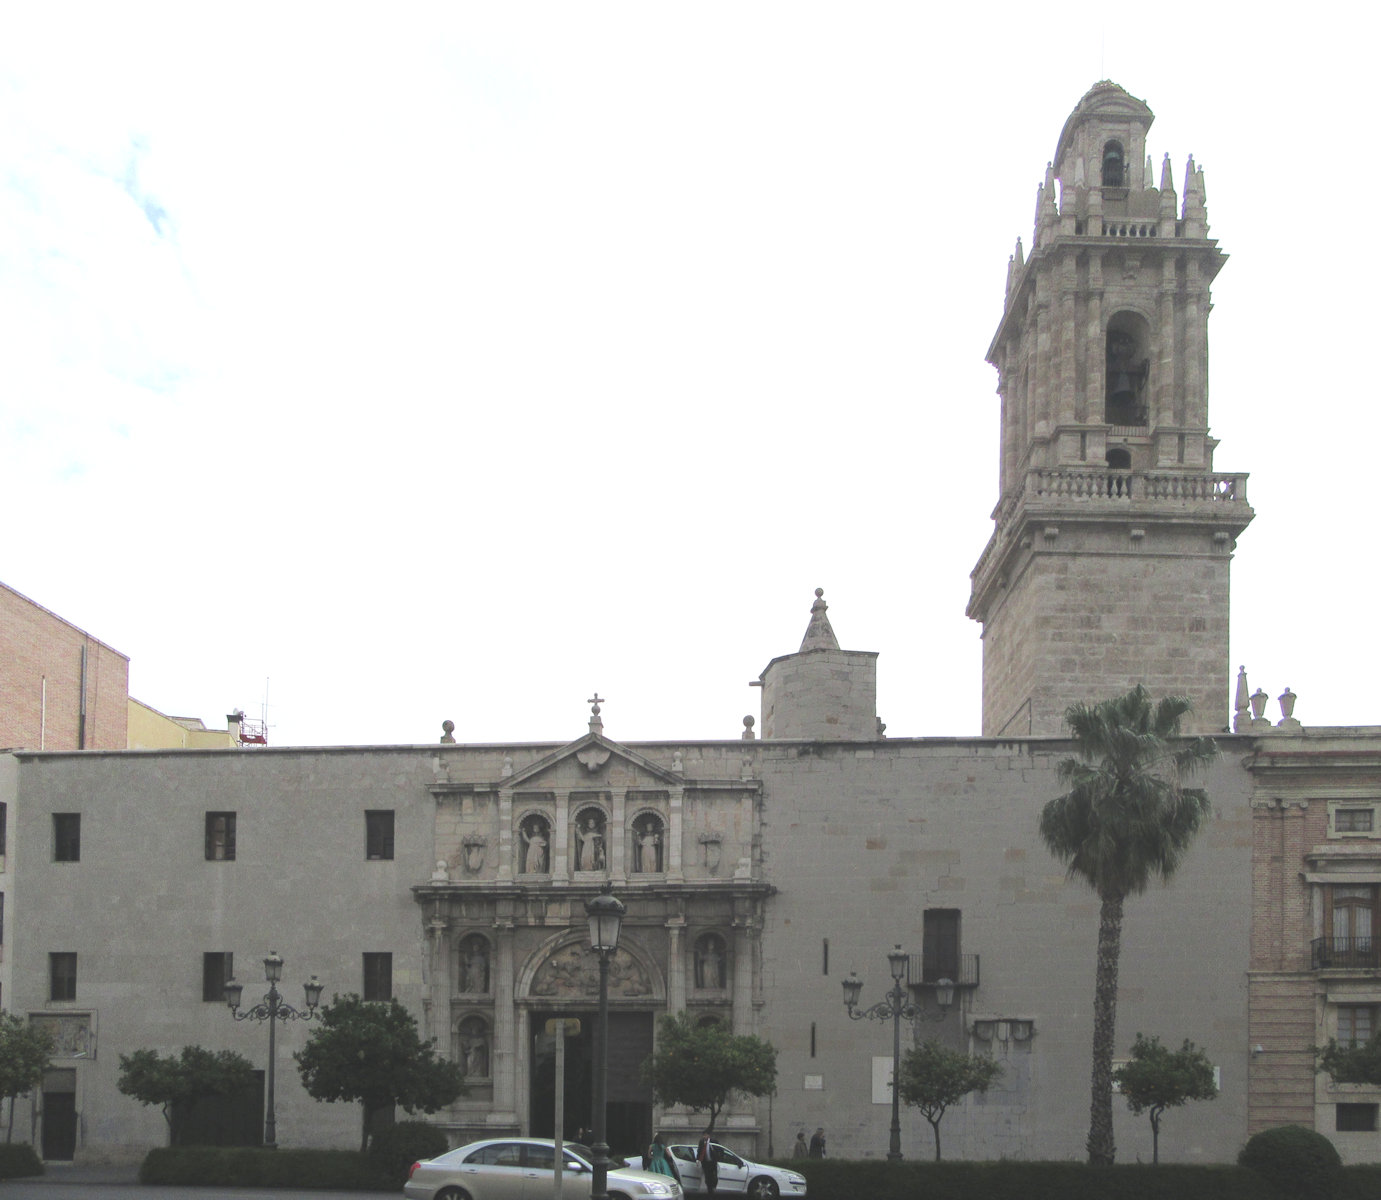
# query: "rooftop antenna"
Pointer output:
{"type": "Point", "coordinates": [256, 733]}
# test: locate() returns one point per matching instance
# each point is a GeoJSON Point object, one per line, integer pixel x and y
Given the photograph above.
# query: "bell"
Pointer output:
{"type": "Point", "coordinates": [1123, 390]}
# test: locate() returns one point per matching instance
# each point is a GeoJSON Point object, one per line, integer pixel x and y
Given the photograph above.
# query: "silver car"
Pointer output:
{"type": "Point", "coordinates": [525, 1169]}
{"type": "Point", "coordinates": [737, 1176]}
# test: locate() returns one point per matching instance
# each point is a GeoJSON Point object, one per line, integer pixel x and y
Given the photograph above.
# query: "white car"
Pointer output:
{"type": "Point", "coordinates": [524, 1169]}
{"type": "Point", "coordinates": [737, 1176]}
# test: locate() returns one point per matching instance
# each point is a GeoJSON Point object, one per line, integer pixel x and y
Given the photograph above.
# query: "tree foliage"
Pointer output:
{"type": "Point", "coordinates": [1353, 1064]}
{"type": "Point", "coordinates": [1126, 819]}
{"type": "Point", "coordinates": [24, 1052]}
{"type": "Point", "coordinates": [933, 1077]}
{"type": "Point", "coordinates": [178, 1083]}
{"type": "Point", "coordinates": [370, 1052]}
{"type": "Point", "coordinates": [1157, 1078]}
{"type": "Point", "coordinates": [701, 1066]}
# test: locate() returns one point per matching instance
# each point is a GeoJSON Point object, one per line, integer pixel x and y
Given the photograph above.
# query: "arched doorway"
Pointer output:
{"type": "Point", "coordinates": [565, 984]}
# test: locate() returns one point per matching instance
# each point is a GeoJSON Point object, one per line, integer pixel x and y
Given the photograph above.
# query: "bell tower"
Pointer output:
{"type": "Point", "coordinates": [1108, 565]}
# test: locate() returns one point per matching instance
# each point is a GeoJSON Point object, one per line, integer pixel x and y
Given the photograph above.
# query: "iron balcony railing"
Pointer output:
{"type": "Point", "coordinates": [1354, 953]}
{"type": "Point", "coordinates": [962, 973]}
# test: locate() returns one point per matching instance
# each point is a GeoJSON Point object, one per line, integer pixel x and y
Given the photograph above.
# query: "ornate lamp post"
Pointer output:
{"type": "Point", "coordinates": [273, 1009]}
{"type": "Point", "coordinates": [606, 913]}
{"type": "Point", "coordinates": [896, 1006]}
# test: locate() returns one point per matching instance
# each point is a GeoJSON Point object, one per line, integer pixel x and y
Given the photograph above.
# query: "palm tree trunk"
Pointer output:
{"type": "Point", "coordinates": [1101, 1150]}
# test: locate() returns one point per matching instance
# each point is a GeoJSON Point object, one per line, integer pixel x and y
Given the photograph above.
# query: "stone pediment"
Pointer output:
{"type": "Point", "coordinates": [593, 760]}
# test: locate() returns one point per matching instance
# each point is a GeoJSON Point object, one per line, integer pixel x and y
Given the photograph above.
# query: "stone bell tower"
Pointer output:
{"type": "Point", "coordinates": [1109, 562]}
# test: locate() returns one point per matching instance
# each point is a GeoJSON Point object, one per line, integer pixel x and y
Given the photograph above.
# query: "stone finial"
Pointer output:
{"type": "Point", "coordinates": [596, 724]}
{"type": "Point", "coordinates": [882, 729]}
{"type": "Point", "coordinates": [819, 633]}
{"type": "Point", "coordinates": [677, 764]}
{"type": "Point", "coordinates": [1240, 705]}
{"type": "Point", "coordinates": [448, 733]}
{"type": "Point", "coordinates": [1287, 711]}
{"type": "Point", "coordinates": [748, 734]}
{"type": "Point", "coordinates": [1167, 174]}
{"type": "Point", "coordinates": [507, 766]}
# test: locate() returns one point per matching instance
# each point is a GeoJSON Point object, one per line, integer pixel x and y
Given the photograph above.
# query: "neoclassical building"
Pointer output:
{"type": "Point", "coordinates": [760, 870]}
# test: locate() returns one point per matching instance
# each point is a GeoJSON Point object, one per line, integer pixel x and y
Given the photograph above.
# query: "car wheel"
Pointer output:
{"type": "Point", "coordinates": [452, 1193]}
{"type": "Point", "coordinates": [763, 1188]}
{"type": "Point", "coordinates": [619, 1196]}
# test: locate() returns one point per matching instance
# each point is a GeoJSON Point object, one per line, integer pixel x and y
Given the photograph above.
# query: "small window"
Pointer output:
{"type": "Point", "coordinates": [378, 833]}
{"type": "Point", "coordinates": [1356, 1024]}
{"type": "Point", "coordinates": [216, 968]}
{"type": "Point", "coordinates": [220, 836]}
{"type": "Point", "coordinates": [1356, 1118]}
{"type": "Point", "coordinates": [1352, 820]}
{"type": "Point", "coordinates": [67, 837]}
{"type": "Point", "coordinates": [62, 977]}
{"type": "Point", "coordinates": [378, 976]}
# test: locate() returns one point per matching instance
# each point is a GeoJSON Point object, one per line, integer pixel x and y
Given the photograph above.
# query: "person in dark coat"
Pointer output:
{"type": "Point", "coordinates": [709, 1168]}
{"type": "Point", "coordinates": [817, 1143]}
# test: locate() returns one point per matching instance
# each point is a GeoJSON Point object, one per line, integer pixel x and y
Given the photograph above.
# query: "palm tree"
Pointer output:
{"type": "Point", "coordinates": [1125, 819]}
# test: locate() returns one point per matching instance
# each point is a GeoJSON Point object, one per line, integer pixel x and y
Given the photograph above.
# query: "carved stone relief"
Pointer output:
{"type": "Point", "coordinates": [573, 971]}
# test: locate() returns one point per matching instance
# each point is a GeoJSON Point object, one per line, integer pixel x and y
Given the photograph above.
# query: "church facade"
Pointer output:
{"type": "Point", "coordinates": [761, 871]}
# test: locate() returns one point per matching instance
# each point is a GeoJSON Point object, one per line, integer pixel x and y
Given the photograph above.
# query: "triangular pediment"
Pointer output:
{"type": "Point", "coordinates": [593, 760]}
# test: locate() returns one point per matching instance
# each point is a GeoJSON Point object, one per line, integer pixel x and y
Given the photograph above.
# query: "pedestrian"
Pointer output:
{"type": "Point", "coordinates": [817, 1143]}
{"type": "Point", "coordinates": [659, 1158]}
{"type": "Point", "coordinates": [799, 1149]}
{"type": "Point", "coordinates": [709, 1168]}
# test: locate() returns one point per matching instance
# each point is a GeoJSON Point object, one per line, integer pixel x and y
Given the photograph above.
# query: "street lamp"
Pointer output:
{"type": "Point", "coordinates": [605, 912]}
{"type": "Point", "coordinates": [272, 1009]}
{"type": "Point", "coordinates": [896, 1005]}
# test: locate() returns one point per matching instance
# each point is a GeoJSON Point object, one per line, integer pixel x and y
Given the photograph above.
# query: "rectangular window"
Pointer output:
{"type": "Point", "coordinates": [378, 976]}
{"type": "Point", "coordinates": [940, 948]}
{"type": "Point", "coordinates": [220, 836]}
{"type": "Point", "coordinates": [1356, 1023]}
{"type": "Point", "coordinates": [1353, 820]}
{"type": "Point", "coordinates": [1349, 914]}
{"type": "Point", "coordinates": [62, 977]}
{"type": "Point", "coordinates": [67, 837]}
{"type": "Point", "coordinates": [1356, 1118]}
{"type": "Point", "coordinates": [378, 833]}
{"type": "Point", "coordinates": [216, 967]}
{"type": "Point", "coordinates": [3, 811]}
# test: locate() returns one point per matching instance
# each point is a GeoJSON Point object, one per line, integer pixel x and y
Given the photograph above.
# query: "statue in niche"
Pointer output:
{"type": "Point", "coordinates": [709, 962]}
{"type": "Point", "coordinates": [474, 1048]}
{"type": "Point", "coordinates": [474, 966]}
{"type": "Point", "coordinates": [589, 844]}
{"type": "Point", "coordinates": [647, 844]}
{"type": "Point", "coordinates": [534, 835]}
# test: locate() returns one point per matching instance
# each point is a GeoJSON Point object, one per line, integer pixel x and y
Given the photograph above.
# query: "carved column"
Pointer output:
{"type": "Point", "coordinates": [676, 967]}
{"type": "Point", "coordinates": [505, 850]}
{"type": "Point", "coordinates": [672, 840]}
{"type": "Point", "coordinates": [505, 1047]}
{"type": "Point", "coordinates": [616, 836]}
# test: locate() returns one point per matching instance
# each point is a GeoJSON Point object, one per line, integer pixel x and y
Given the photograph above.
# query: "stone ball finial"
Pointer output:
{"type": "Point", "coordinates": [819, 593]}
{"type": "Point", "coordinates": [748, 723]}
{"type": "Point", "coordinates": [448, 729]}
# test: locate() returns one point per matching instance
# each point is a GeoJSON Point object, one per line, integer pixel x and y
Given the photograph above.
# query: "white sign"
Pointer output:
{"type": "Point", "coordinates": [882, 1080]}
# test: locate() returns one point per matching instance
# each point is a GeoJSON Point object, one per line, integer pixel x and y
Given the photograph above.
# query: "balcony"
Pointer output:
{"type": "Point", "coordinates": [961, 970]}
{"type": "Point", "coordinates": [1345, 954]}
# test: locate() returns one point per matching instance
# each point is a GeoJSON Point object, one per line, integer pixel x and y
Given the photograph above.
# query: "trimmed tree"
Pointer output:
{"type": "Point", "coordinates": [1157, 1078]}
{"type": "Point", "coordinates": [1126, 819]}
{"type": "Point", "coordinates": [701, 1066]}
{"type": "Point", "coordinates": [178, 1083]}
{"type": "Point", "coordinates": [933, 1077]}
{"type": "Point", "coordinates": [369, 1052]}
{"type": "Point", "coordinates": [24, 1052]}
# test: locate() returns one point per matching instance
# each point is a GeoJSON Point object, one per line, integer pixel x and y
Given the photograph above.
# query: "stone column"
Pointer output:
{"type": "Point", "coordinates": [671, 846]}
{"type": "Point", "coordinates": [505, 1051]}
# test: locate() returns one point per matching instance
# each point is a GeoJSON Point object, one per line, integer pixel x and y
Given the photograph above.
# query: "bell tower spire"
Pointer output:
{"type": "Point", "coordinates": [1108, 565]}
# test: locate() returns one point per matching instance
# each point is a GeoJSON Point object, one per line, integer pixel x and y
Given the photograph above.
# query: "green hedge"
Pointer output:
{"type": "Point", "coordinates": [17, 1159]}
{"type": "Point", "coordinates": [834, 1179]}
{"type": "Point", "coordinates": [228, 1166]}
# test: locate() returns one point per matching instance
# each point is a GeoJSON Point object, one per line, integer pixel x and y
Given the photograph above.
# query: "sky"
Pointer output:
{"type": "Point", "coordinates": [369, 366]}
